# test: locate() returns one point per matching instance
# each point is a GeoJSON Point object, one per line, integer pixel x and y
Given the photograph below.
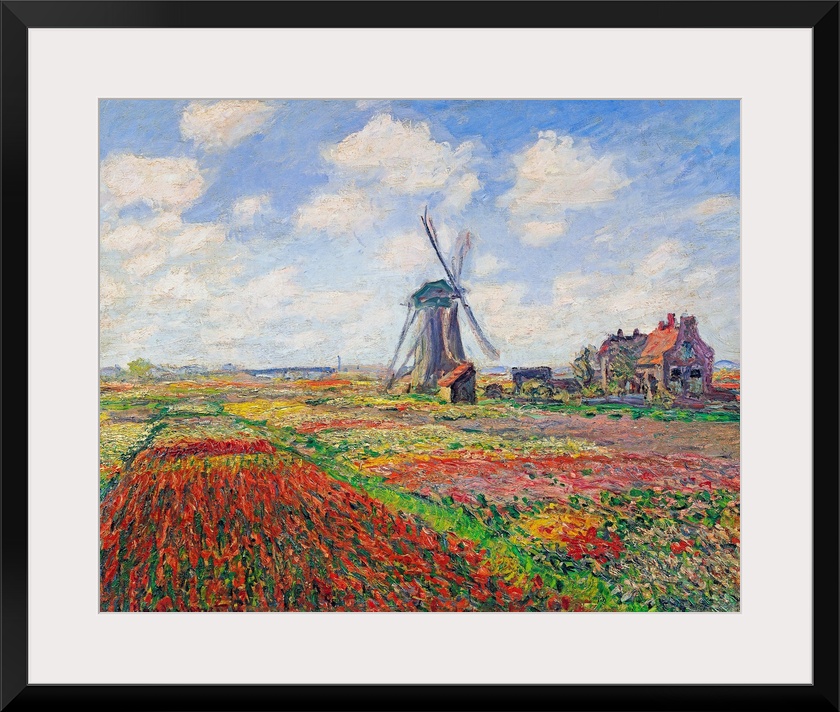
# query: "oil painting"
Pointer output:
{"type": "Point", "coordinates": [419, 355]}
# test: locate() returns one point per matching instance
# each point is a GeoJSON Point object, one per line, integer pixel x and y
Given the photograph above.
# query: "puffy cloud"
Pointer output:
{"type": "Point", "coordinates": [404, 156]}
{"type": "Point", "coordinates": [194, 237]}
{"type": "Point", "coordinates": [270, 289]}
{"type": "Point", "coordinates": [486, 265]}
{"type": "Point", "coordinates": [148, 244]}
{"type": "Point", "coordinates": [407, 252]}
{"type": "Point", "coordinates": [162, 230]}
{"type": "Point", "coordinates": [347, 211]}
{"type": "Point", "coordinates": [376, 172]}
{"type": "Point", "coordinates": [246, 209]}
{"type": "Point", "coordinates": [144, 264]}
{"type": "Point", "coordinates": [223, 124]}
{"type": "Point", "coordinates": [110, 290]}
{"type": "Point", "coordinates": [179, 288]}
{"type": "Point", "coordinates": [671, 256]}
{"type": "Point", "coordinates": [555, 175]}
{"type": "Point", "coordinates": [538, 234]}
{"type": "Point", "coordinates": [160, 183]}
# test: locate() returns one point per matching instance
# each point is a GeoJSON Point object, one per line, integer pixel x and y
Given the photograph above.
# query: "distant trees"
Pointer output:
{"type": "Point", "coordinates": [140, 368]}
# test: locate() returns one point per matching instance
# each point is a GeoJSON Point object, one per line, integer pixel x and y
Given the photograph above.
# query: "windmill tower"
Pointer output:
{"type": "Point", "coordinates": [436, 355]}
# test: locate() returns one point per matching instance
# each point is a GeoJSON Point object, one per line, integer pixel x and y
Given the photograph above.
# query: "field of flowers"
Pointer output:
{"type": "Point", "coordinates": [330, 495]}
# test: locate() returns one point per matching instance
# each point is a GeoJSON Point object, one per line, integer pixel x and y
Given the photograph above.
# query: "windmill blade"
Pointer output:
{"type": "Point", "coordinates": [409, 319]}
{"type": "Point", "coordinates": [459, 254]}
{"type": "Point", "coordinates": [489, 350]}
{"type": "Point", "coordinates": [404, 368]}
{"type": "Point", "coordinates": [432, 233]}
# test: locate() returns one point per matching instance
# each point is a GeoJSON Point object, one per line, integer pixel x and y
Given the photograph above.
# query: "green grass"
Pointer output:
{"type": "Point", "coordinates": [617, 410]}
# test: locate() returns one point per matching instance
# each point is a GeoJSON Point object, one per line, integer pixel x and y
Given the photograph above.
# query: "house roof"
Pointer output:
{"type": "Point", "coordinates": [456, 373]}
{"type": "Point", "coordinates": [658, 342]}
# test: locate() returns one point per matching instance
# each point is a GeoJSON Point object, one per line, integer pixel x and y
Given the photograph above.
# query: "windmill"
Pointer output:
{"type": "Point", "coordinates": [437, 352]}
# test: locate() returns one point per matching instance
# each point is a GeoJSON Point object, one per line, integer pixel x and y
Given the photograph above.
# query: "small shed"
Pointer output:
{"type": "Point", "coordinates": [461, 383]}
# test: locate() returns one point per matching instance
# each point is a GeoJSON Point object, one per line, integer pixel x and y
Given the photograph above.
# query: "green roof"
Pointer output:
{"type": "Point", "coordinates": [433, 294]}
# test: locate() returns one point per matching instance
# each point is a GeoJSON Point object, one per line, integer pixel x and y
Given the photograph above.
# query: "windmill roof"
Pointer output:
{"type": "Point", "coordinates": [433, 294]}
{"type": "Point", "coordinates": [459, 370]}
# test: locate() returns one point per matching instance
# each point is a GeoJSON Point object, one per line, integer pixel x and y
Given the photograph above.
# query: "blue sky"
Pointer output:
{"type": "Point", "coordinates": [269, 233]}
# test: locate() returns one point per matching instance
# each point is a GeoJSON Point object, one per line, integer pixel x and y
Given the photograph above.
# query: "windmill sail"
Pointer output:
{"type": "Point", "coordinates": [409, 320]}
{"type": "Point", "coordinates": [459, 254]}
{"type": "Point", "coordinates": [489, 350]}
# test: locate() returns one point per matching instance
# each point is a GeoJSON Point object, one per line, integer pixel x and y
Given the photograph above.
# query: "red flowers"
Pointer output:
{"type": "Point", "coordinates": [186, 448]}
{"type": "Point", "coordinates": [227, 525]}
{"type": "Point", "coordinates": [680, 546]}
{"type": "Point", "coordinates": [590, 545]}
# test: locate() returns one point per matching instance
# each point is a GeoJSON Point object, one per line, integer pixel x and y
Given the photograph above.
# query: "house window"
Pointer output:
{"type": "Point", "coordinates": [695, 382]}
{"type": "Point", "coordinates": [676, 374]}
{"type": "Point", "coordinates": [687, 349]}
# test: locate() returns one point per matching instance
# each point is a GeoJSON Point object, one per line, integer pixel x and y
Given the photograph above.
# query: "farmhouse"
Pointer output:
{"type": "Point", "coordinates": [617, 358]}
{"type": "Point", "coordinates": [676, 357]}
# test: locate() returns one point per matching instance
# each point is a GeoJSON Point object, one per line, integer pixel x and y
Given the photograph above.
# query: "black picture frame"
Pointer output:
{"type": "Point", "coordinates": [19, 16]}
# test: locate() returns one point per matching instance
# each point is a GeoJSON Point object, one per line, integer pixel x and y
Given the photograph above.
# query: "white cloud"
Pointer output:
{"type": "Point", "coordinates": [246, 209]}
{"type": "Point", "coordinates": [194, 237]}
{"type": "Point", "coordinates": [267, 291]}
{"type": "Point", "coordinates": [408, 252]}
{"type": "Point", "coordinates": [670, 256]}
{"type": "Point", "coordinates": [178, 288]}
{"type": "Point", "coordinates": [555, 172]}
{"type": "Point", "coordinates": [404, 156]}
{"type": "Point", "coordinates": [161, 183]}
{"type": "Point", "coordinates": [223, 124]}
{"type": "Point", "coordinates": [164, 231]}
{"type": "Point", "coordinates": [485, 265]}
{"type": "Point", "coordinates": [716, 205]}
{"type": "Point", "coordinates": [459, 192]}
{"type": "Point", "coordinates": [145, 264]}
{"type": "Point", "coordinates": [128, 237]}
{"type": "Point", "coordinates": [555, 175]}
{"type": "Point", "coordinates": [147, 245]}
{"type": "Point", "coordinates": [539, 234]}
{"type": "Point", "coordinates": [110, 291]}
{"type": "Point", "coordinates": [347, 211]}
{"type": "Point", "coordinates": [384, 174]}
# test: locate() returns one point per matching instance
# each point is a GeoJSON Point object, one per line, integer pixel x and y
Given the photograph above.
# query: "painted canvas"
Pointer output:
{"type": "Point", "coordinates": [396, 355]}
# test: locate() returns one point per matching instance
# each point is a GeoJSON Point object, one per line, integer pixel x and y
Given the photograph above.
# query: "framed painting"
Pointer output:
{"type": "Point", "coordinates": [384, 359]}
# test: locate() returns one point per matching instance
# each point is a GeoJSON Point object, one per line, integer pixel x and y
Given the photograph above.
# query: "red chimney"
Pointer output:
{"type": "Point", "coordinates": [661, 326]}
{"type": "Point", "coordinates": [671, 321]}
